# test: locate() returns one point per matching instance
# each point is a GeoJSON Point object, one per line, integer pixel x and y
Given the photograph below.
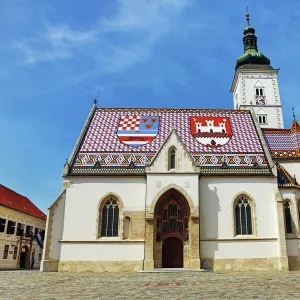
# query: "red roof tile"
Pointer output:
{"type": "Point", "coordinates": [13, 200]}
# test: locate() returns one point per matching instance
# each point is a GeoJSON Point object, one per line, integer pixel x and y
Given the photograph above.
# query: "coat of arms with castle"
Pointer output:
{"type": "Point", "coordinates": [211, 131]}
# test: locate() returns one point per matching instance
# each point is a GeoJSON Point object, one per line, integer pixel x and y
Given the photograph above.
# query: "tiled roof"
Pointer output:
{"type": "Point", "coordinates": [284, 143]}
{"type": "Point", "coordinates": [102, 140]}
{"type": "Point", "coordinates": [13, 200]}
{"type": "Point", "coordinates": [284, 178]}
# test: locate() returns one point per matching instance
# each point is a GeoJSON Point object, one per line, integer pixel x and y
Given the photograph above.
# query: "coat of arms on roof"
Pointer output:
{"type": "Point", "coordinates": [211, 131]}
{"type": "Point", "coordinates": [136, 131]}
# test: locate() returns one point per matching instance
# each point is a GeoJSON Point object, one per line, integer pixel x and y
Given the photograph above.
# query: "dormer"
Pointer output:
{"type": "Point", "coordinates": [172, 157]}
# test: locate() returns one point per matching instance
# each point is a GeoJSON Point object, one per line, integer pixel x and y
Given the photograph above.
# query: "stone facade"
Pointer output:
{"type": "Point", "coordinates": [13, 241]}
{"type": "Point", "coordinates": [100, 266]}
{"type": "Point", "coordinates": [137, 224]}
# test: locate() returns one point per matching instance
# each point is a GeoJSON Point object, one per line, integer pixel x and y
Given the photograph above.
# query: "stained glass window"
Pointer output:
{"type": "Point", "coordinates": [243, 217]}
{"type": "Point", "coordinates": [110, 218]}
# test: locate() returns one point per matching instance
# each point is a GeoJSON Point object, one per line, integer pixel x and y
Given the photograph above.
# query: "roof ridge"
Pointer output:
{"type": "Point", "coordinates": [173, 108]}
{"type": "Point", "coordinates": [14, 191]}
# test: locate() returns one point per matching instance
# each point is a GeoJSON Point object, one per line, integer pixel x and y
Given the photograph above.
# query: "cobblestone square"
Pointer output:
{"type": "Point", "coordinates": [184, 285]}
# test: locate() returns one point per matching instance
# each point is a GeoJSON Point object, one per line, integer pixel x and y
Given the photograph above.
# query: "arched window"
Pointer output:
{"type": "Point", "coordinates": [288, 217]}
{"type": "Point", "coordinates": [110, 218]}
{"type": "Point", "coordinates": [127, 228]}
{"type": "Point", "coordinates": [172, 159]}
{"type": "Point", "coordinates": [262, 119]}
{"type": "Point", "coordinates": [243, 217]}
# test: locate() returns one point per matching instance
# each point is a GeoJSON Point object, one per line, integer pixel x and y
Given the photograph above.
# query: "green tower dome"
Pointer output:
{"type": "Point", "coordinates": [251, 58]}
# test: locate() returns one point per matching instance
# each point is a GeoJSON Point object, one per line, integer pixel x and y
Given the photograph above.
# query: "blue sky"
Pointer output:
{"type": "Point", "coordinates": [57, 56]}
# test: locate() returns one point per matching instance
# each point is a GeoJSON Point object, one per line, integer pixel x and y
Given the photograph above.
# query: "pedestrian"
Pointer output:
{"type": "Point", "coordinates": [32, 261]}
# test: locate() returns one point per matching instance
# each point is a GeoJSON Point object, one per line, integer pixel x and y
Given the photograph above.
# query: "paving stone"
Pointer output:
{"type": "Point", "coordinates": [207, 285]}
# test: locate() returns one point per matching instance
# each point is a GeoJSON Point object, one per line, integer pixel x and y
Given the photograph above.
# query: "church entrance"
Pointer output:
{"type": "Point", "coordinates": [172, 253]}
{"type": "Point", "coordinates": [171, 235]}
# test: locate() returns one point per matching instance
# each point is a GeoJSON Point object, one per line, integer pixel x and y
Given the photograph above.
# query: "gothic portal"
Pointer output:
{"type": "Point", "coordinates": [171, 233]}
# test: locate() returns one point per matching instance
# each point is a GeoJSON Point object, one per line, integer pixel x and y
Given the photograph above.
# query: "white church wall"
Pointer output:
{"type": "Point", "coordinates": [238, 249]}
{"type": "Point", "coordinates": [57, 229]}
{"type": "Point", "coordinates": [216, 205]}
{"type": "Point", "coordinates": [54, 232]}
{"type": "Point", "coordinates": [123, 251]}
{"type": "Point", "coordinates": [83, 198]}
{"type": "Point", "coordinates": [187, 182]}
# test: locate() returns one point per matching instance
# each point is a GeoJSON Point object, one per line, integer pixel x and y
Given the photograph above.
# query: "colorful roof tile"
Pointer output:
{"type": "Point", "coordinates": [11, 199]}
{"type": "Point", "coordinates": [115, 137]}
{"type": "Point", "coordinates": [284, 143]}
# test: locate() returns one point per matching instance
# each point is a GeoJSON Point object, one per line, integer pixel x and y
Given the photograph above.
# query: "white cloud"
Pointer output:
{"type": "Point", "coordinates": [140, 22]}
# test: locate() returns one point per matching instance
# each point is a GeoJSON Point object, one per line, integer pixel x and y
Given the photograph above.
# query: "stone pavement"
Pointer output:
{"type": "Point", "coordinates": [190, 285]}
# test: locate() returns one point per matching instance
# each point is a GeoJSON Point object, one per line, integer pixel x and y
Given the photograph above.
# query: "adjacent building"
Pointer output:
{"type": "Point", "coordinates": [20, 219]}
{"type": "Point", "coordinates": [217, 189]}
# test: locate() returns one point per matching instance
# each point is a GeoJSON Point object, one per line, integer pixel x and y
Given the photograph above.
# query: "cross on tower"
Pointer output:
{"type": "Point", "coordinates": [247, 17]}
{"type": "Point", "coordinates": [293, 109]}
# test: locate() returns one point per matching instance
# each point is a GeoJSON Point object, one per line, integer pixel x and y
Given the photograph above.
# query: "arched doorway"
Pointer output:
{"type": "Point", "coordinates": [172, 217]}
{"type": "Point", "coordinates": [24, 257]}
{"type": "Point", "coordinates": [172, 253]}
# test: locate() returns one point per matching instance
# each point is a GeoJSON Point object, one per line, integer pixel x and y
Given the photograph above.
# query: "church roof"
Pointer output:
{"type": "Point", "coordinates": [284, 143]}
{"type": "Point", "coordinates": [284, 178]}
{"type": "Point", "coordinates": [11, 199]}
{"type": "Point", "coordinates": [125, 140]}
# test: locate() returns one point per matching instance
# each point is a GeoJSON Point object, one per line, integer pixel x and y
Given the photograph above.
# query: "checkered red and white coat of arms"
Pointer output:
{"type": "Point", "coordinates": [137, 130]}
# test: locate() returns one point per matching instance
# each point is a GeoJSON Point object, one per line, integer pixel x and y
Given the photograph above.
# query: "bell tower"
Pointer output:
{"type": "Point", "coordinates": [255, 83]}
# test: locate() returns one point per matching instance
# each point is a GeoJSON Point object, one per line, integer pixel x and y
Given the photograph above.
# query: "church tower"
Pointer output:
{"type": "Point", "coordinates": [255, 83]}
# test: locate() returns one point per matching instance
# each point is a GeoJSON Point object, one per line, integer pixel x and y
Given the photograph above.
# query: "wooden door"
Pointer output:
{"type": "Point", "coordinates": [172, 253]}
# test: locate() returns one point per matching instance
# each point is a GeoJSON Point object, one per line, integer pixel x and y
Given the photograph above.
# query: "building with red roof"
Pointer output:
{"type": "Point", "coordinates": [20, 220]}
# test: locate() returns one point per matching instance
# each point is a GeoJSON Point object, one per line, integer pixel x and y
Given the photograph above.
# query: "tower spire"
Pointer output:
{"type": "Point", "coordinates": [251, 58]}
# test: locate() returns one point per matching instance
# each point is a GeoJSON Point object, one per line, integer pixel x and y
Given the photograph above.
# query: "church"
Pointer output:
{"type": "Point", "coordinates": [213, 189]}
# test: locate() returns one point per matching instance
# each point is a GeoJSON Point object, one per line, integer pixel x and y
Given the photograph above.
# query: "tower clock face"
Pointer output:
{"type": "Point", "coordinates": [260, 100]}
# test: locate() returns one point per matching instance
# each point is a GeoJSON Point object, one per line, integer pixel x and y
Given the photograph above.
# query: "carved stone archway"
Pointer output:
{"type": "Point", "coordinates": [172, 214]}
